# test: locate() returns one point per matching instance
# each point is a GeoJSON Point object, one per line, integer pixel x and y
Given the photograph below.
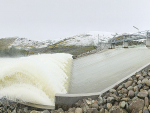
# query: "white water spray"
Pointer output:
{"type": "Point", "coordinates": [36, 78]}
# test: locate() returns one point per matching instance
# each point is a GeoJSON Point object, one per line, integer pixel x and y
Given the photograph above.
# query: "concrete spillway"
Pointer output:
{"type": "Point", "coordinates": [96, 72]}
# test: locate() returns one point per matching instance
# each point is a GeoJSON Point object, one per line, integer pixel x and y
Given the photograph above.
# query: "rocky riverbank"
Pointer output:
{"type": "Point", "coordinates": [8, 106]}
{"type": "Point", "coordinates": [131, 96]}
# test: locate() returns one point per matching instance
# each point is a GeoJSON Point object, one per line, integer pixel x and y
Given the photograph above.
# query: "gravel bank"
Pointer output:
{"type": "Point", "coordinates": [8, 106]}
{"type": "Point", "coordinates": [131, 96]}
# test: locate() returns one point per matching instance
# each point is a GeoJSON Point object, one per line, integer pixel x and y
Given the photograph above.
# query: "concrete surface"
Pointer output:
{"type": "Point", "coordinates": [98, 71]}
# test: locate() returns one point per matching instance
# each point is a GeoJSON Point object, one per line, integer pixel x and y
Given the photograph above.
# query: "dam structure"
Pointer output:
{"type": "Point", "coordinates": [50, 79]}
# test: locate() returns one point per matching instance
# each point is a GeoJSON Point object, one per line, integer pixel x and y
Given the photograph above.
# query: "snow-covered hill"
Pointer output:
{"type": "Point", "coordinates": [26, 44]}
{"type": "Point", "coordinates": [86, 39]}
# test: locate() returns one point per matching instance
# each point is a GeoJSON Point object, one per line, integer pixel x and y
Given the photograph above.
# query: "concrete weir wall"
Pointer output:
{"type": "Point", "coordinates": [67, 100]}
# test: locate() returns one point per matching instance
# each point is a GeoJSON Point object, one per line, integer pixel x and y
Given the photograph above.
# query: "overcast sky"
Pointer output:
{"type": "Point", "coordinates": [54, 19]}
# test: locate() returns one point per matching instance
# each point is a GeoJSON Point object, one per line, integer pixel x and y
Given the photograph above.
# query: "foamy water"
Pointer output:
{"type": "Point", "coordinates": [36, 78]}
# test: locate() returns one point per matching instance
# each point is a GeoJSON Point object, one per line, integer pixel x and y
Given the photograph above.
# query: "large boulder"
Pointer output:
{"type": "Point", "coordinates": [137, 105]}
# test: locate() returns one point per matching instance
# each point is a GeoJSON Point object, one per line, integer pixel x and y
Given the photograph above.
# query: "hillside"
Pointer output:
{"type": "Point", "coordinates": [74, 45]}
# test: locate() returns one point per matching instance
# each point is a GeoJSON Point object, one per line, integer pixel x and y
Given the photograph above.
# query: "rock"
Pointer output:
{"type": "Point", "coordinates": [60, 110]}
{"type": "Point", "coordinates": [84, 107]}
{"type": "Point", "coordinates": [138, 75]}
{"type": "Point", "coordinates": [139, 82]}
{"type": "Point", "coordinates": [112, 90]}
{"type": "Point", "coordinates": [127, 106]}
{"type": "Point", "coordinates": [125, 99]}
{"type": "Point", "coordinates": [139, 86]}
{"type": "Point", "coordinates": [92, 101]}
{"type": "Point", "coordinates": [145, 91]}
{"type": "Point", "coordinates": [124, 91]}
{"type": "Point", "coordinates": [146, 87]}
{"type": "Point", "coordinates": [95, 110]}
{"type": "Point", "coordinates": [136, 88]}
{"type": "Point", "coordinates": [147, 82]}
{"type": "Point", "coordinates": [131, 93]}
{"type": "Point", "coordinates": [142, 94]}
{"type": "Point", "coordinates": [20, 111]}
{"type": "Point", "coordinates": [134, 111]}
{"type": "Point", "coordinates": [78, 104]}
{"type": "Point", "coordinates": [145, 110]}
{"type": "Point", "coordinates": [136, 92]}
{"type": "Point", "coordinates": [113, 95]}
{"type": "Point", "coordinates": [106, 111]}
{"type": "Point", "coordinates": [33, 111]}
{"type": "Point", "coordinates": [100, 100]}
{"type": "Point", "coordinates": [65, 107]}
{"type": "Point", "coordinates": [104, 101]}
{"type": "Point", "coordinates": [14, 111]}
{"type": "Point", "coordinates": [130, 79]}
{"type": "Point", "coordinates": [119, 88]}
{"type": "Point", "coordinates": [105, 106]}
{"type": "Point", "coordinates": [130, 88]}
{"type": "Point", "coordinates": [134, 84]}
{"type": "Point", "coordinates": [116, 93]}
{"type": "Point", "coordinates": [78, 110]}
{"type": "Point", "coordinates": [110, 99]}
{"type": "Point", "coordinates": [102, 110]}
{"type": "Point", "coordinates": [92, 110]}
{"type": "Point", "coordinates": [149, 107]}
{"type": "Point", "coordinates": [144, 73]}
{"type": "Point", "coordinates": [72, 110]}
{"type": "Point", "coordinates": [109, 105]}
{"type": "Point", "coordinates": [117, 109]}
{"type": "Point", "coordinates": [128, 83]}
{"type": "Point", "coordinates": [149, 92]}
{"type": "Point", "coordinates": [95, 105]}
{"type": "Point", "coordinates": [146, 101]}
{"type": "Point", "coordinates": [115, 87]}
{"type": "Point", "coordinates": [95, 101]}
{"type": "Point", "coordinates": [116, 103]}
{"type": "Point", "coordinates": [88, 102]}
{"type": "Point", "coordinates": [45, 111]}
{"type": "Point", "coordinates": [141, 78]}
{"type": "Point", "coordinates": [25, 110]}
{"type": "Point", "coordinates": [122, 105]}
{"type": "Point", "coordinates": [144, 80]}
{"type": "Point", "coordinates": [148, 73]}
{"type": "Point", "coordinates": [8, 111]}
{"type": "Point", "coordinates": [137, 104]}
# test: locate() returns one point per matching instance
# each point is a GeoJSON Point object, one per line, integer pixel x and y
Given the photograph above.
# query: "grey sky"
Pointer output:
{"type": "Point", "coordinates": [51, 19]}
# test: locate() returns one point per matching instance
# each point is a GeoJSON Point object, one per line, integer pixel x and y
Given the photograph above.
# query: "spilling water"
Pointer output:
{"type": "Point", "coordinates": [36, 78]}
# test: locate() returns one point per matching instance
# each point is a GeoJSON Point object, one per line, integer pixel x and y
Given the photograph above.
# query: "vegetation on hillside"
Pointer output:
{"type": "Point", "coordinates": [5, 42]}
{"type": "Point", "coordinates": [12, 52]}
